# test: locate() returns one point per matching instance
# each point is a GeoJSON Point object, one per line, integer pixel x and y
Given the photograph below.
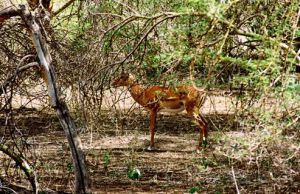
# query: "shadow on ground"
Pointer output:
{"type": "Point", "coordinates": [117, 145]}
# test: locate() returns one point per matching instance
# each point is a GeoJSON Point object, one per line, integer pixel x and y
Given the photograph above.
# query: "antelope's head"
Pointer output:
{"type": "Point", "coordinates": [125, 79]}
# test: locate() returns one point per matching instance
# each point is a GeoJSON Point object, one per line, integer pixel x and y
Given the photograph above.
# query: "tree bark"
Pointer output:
{"type": "Point", "coordinates": [47, 73]}
{"type": "Point", "coordinates": [81, 176]}
{"type": "Point", "coordinates": [23, 164]}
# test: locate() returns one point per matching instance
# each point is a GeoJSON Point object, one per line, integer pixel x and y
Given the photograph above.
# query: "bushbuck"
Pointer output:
{"type": "Point", "coordinates": [167, 99]}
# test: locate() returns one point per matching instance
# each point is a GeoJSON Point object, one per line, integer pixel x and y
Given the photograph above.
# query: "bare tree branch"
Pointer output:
{"type": "Point", "coordinates": [23, 164]}
{"type": "Point", "coordinates": [63, 7]}
{"type": "Point", "coordinates": [171, 15]}
{"type": "Point", "coordinates": [81, 176]}
{"type": "Point", "coordinates": [17, 73]}
{"type": "Point", "coordinates": [8, 12]}
{"type": "Point", "coordinates": [47, 71]}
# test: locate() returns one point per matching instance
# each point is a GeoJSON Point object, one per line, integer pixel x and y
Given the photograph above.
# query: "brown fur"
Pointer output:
{"type": "Point", "coordinates": [157, 98]}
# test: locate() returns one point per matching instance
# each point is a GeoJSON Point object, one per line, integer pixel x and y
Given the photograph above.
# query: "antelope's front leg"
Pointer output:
{"type": "Point", "coordinates": [153, 115]}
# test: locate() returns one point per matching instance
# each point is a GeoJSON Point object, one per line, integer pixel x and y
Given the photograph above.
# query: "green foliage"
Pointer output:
{"type": "Point", "coordinates": [194, 190]}
{"type": "Point", "coordinates": [204, 162]}
{"type": "Point", "coordinates": [134, 173]}
{"type": "Point", "coordinates": [76, 28]}
{"type": "Point", "coordinates": [70, 167]}
{"type": "Point", "coordinates": [241, 47]}
{"type": "Point", "coordinates": [236, 45]}
{"type": "Point", "coordinates": [106, 159]}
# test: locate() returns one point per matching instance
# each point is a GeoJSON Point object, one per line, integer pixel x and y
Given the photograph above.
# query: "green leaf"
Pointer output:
{"type": "Point", "coordinates": [134, 174]}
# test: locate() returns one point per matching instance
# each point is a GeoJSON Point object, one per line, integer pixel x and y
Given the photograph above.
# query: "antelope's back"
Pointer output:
{"type": "Point", "coordinates": [198, 94]}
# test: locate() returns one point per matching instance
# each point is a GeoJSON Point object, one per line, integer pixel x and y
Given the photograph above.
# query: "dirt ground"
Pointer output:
{"type": "Point", "coordinates": [231, 161]}
{"type": "Point", "coordinates": [174, 167]}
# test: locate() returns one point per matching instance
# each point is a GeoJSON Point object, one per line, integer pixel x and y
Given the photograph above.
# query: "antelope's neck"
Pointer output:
{"type": "Point", "coordinates": [137, 93]}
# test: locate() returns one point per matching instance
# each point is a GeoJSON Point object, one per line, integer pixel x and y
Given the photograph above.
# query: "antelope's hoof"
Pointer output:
{"type": "Point", "coordinates": [151, 148]}
{"type": "Point", "coordinates": [204, 143]}
{"type": "Point", "coordinates": [199, 149]}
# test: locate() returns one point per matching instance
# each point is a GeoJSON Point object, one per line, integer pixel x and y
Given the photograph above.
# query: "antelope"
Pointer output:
{"type": "Point", "coordinates": [160, 98]}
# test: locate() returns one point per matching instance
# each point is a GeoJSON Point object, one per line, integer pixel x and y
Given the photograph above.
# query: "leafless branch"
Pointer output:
{"type": "Point", "coordinates": [235, 182]}
{"type": "Point", "coordinates": [23, 164]}
{"type": "Point", "coordinates": [9, 12]}
{"type": "Point", "coordinates": [63, 7]}
{"type": "Point", "coordinates": [47, 72]}
{"type": "Point", "coordinates": [17, 73]}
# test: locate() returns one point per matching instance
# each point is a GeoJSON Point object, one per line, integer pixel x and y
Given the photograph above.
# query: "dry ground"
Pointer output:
{"type": "Point", "coordinates": [256, 160]}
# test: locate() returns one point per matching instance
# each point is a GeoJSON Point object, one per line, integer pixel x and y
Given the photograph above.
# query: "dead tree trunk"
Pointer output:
{"type": "Point", "coordinates": [47, 72]}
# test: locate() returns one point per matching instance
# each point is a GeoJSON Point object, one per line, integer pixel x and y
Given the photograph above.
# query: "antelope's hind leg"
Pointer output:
{"type": "Point", "coordinates": [153, 115]}
{"type": "Point", "coordinates": [203, 130]}
{"type": "Point", "coordinates": [194, 112]}
{"type": "Point", "coordinates": [202, 126]}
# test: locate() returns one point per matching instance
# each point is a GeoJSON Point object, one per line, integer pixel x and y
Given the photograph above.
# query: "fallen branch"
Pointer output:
{"type": "Point", "coordinates": [235, 182]}
{"type": "Point", "coordinates": [23, 164]}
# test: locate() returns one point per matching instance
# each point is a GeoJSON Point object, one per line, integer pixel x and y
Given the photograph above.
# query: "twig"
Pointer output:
{"type": "Point", "coordinates": [294, 154]}
{"type": "Point", "coordinates": [12, 77]}
{"type": "Point", "coordinates": [125, 5]}
{"type": "Point", "coordinates": [7, 188]}
{"type": "Point", "coordinates": [235, 182]}
{"type": "Point", "coordinates": [81, 174]}
{"type": "Point", "coordinates": [104, 13]}
{"type": "Point", "coordinates": [294, 31]}
{"type": "Point", "coordinates": [141, 39]}
{"type": "Point", "coordinates": [23, 164]}
{"type": "Point", "coordinates": [8, 12]}
{"type": "Point", "coordinates": [63, 7]}
{"type": "Point", "coordinates": [293, 36]}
